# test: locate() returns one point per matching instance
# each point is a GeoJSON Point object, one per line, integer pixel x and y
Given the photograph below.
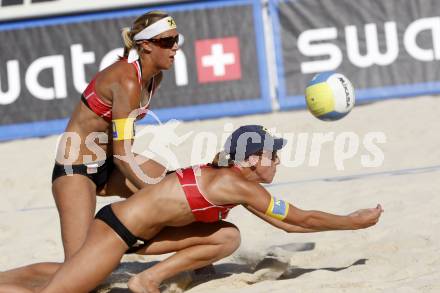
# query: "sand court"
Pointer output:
{"type": "Point", "coordinates": [400, 254]}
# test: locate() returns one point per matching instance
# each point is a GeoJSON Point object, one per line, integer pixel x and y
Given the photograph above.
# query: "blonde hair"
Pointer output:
{"type": "Point", "coordinates": [139, 24]}
{"type": "Point", "coordinates": [222, 160]}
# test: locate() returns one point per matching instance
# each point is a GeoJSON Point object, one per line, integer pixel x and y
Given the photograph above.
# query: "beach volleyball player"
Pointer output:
{"type": "Point", "coordinates": [185, 213]}
{"type": "Point", "coordinates": [106, 107]}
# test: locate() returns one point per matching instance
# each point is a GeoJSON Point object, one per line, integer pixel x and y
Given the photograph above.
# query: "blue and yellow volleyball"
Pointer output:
{"type": "Point", "coordinates": [330, 96]}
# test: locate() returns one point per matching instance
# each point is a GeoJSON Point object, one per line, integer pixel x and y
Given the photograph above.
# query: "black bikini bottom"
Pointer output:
{"type": "Point", "coordinates": [98, 172]}
{"type": "Point", "coordinates": [134, 243]}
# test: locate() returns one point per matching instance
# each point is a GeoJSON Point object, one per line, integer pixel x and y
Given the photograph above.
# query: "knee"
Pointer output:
{"type": "Point", "coordinates": [229, 238]}
{"type": "Point", "coordinates": [47, 268]}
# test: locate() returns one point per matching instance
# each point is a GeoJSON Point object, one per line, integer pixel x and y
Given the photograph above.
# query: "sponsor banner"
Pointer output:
{"type": "Point", "coordinates": [46, 64]}
{"type": "Point", "coordinates": [16, 9]}
{"type": "Point", "coordinates": [387, 48]}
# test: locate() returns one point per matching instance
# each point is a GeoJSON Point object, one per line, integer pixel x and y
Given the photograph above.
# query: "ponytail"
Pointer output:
{"type": "Point", "coordinates": [139, 24]}
{"type": "Point", "coordinates": [127, 38]}
{"type": "Point", "coordinates": [222, 160]}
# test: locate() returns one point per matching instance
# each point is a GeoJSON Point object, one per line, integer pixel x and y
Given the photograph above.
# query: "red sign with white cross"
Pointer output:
{"type": "Point", "coordinates": [218, 59]}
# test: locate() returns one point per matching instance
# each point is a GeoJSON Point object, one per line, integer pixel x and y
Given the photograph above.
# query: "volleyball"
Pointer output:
{"type": "Point", "coordinates": [330, 96]}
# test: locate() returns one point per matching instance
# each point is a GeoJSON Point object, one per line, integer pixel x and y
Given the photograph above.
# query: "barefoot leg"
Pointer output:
{"type": "Point", "coordinates": [196, 245]}
{"type": "Point", "coordinates": [96, 259]}
{"type": "Point", "coordinates": [31, 276]}
{"type": "Point", "coordinates": [14, 289]}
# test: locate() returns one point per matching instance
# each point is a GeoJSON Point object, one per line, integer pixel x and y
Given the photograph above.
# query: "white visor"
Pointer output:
{"type": "Point", "coordinates": [163, 25]}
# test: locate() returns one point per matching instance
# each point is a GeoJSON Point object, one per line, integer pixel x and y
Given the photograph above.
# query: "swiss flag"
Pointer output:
{"type": "Point", "coordinates": [218, 59]}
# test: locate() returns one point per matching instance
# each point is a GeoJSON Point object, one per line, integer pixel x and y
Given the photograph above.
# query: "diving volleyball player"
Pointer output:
{"type": "Point", "coordinates": [185, 213]}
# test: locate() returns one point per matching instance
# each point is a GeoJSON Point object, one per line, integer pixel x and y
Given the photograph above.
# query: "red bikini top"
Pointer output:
{"type": "Point", "coordinates": [202, 209]}
{"type": "Point", "coordinates": [95, 103]}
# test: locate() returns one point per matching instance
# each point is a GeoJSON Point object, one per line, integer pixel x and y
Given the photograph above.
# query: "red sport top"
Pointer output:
{"type": "Point", "coordinates": [92, 100]}
{"type": "Point", "coordinates": [202, 209]}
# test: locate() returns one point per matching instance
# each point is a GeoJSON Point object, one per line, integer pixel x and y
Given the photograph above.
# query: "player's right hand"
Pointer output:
{"type": "Point", "coordinates": [365, 218]}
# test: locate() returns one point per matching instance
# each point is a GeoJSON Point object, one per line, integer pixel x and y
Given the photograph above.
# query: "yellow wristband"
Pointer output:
{"type": "Point", "coordinates": [123, 128]}
{"type": "Point", "coordinates": [277, 208]}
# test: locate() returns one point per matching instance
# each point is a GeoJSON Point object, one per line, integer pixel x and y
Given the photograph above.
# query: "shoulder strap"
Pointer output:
{"type": "Point", "coordinates": [138, 68]}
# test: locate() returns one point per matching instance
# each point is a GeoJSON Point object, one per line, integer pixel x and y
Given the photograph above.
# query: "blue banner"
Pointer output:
{"type": "Point", "coordinates": [219, 71]}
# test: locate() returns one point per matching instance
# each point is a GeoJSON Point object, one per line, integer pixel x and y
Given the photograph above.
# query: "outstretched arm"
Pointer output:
{"type": "Point", "coordinates": [280, 224]}
{"type": "Point", "coordinates": [322, 221]}
{"type": "Point", "coordinates": [285, 216]}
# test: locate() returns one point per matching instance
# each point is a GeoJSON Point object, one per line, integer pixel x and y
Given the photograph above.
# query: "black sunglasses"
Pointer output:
{"type": "Point", "coordinates": [165, 43]}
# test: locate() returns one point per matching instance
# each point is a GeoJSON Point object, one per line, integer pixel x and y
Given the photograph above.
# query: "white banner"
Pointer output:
{"type": "Point", "coordinates": [19, 9]}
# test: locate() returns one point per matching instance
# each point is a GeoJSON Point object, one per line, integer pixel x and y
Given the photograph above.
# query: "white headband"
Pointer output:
{"type": "Point", "coordinates": [163, 25]}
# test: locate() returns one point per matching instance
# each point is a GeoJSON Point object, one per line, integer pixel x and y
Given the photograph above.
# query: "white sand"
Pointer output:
{"type": "Point", "coordinates": [400, 254]}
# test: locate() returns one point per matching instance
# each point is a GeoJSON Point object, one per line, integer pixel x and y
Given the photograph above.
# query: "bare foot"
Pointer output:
{"type": "Point", "coordinates": [143, 283]}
